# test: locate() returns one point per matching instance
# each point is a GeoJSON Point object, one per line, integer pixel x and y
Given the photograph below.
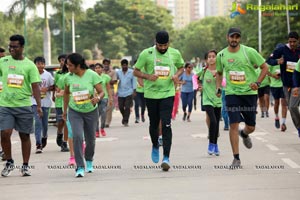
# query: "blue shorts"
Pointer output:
{"type": "Point", "coordinates": [277, 92]}
{"type": "Point", "coordinates": [241, 108]}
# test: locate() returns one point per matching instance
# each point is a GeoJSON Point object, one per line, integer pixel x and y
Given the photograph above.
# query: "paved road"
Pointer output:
{"type": "Point", "coordinates": [123, 167]}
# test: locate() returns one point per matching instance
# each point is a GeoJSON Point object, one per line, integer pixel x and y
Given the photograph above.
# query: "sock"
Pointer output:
{"type": "Point", "coordinates": [243, 134]}
{"type": "Point", "coordinates": [283, 120]}
{"type": "Point", "coordinates": [276, 115]}
{"type": "Point", "coordinates": [10, 160]}
{"type": "Point", "coordinates": [236, 156]}
{"type": "Point", "coordinates": [25, 164]}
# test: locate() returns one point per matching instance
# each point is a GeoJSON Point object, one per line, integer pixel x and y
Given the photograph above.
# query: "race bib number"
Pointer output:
{"type": "Point", "coordinates": [162, 72]}
{"type": "Point", "coordinates": [43, 94]}
{"type": "Point", "coordinates": [15, 81]}
{"type": "Point", "coordinates": [1, 86]}
{"type": "Point", "coordinates": [290, 66]}
{"type": "Point", "coordinates": [81, 97]}
{"type": "Point", "coordinates": [237, 77]}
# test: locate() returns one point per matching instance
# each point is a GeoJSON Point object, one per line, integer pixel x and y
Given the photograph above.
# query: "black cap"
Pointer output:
{"type": "Point", "coordinates": [233, 31]}
{"type": "Point", "coordinates": [162, 37]}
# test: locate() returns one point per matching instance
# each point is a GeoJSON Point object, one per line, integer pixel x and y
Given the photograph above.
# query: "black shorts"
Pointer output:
{"type": "Point", "coordinates": [241, 108]}
{"type": "Point", "coordinates": [263, 90]}
{"type": "Point", "coordinates": [277, 92]}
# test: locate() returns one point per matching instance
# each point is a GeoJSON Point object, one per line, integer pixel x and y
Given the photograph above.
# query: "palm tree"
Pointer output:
{"type": "Point", "coordinates": [32, 5]}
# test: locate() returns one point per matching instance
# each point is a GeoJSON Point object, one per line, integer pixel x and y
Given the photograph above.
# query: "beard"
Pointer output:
{"type": "Point", "coordinates": [162, 51]}
{"type": "Point", "coordinates": [233, 44]}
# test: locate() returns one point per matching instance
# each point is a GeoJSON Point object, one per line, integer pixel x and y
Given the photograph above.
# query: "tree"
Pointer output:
{"type": "Point", "coordinates": [32, 4]}
{"type": "Point", "coordinates": [123, 27]}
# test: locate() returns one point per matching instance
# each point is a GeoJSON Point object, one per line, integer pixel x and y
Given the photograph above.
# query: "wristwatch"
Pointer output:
{"type": "Point", "coordinates": [218, 91]}
{"type": "Point", "coordinates": [258, 83]}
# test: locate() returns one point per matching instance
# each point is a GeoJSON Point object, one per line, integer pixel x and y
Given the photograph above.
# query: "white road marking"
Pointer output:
{"type": "Point", "coordinates": [14, 142]}
{"type": "Point", "coordinates": [260, 133]}
{"type": "Point", "coordinates": [199, 135]}
{"type": "Point", "coordinates": [106, 139]}
{"type": "Point", "coordinates": [272, 147]}
{"type": "Point", "coordinates": [261, 139]}
{"type": "Point", "coordinates": [281, 153]}
{"type": "Point", "coordinates": [291, 163]}
{"type": "Point", "coordinates": [146, 138]}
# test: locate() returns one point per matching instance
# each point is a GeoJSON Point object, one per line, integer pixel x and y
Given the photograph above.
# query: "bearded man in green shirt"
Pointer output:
{"type": "Point", "coordinates": [160, 66]}
{"type": "Point", "coordinates": [237, 63]}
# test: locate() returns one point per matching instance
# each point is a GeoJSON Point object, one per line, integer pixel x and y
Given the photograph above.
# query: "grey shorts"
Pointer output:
{"type": "Point", "coordinates": [20, 119]}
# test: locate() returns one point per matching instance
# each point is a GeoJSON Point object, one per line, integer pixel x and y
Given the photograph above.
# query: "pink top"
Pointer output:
{"type": "Point", "coordinates": [195, 82]}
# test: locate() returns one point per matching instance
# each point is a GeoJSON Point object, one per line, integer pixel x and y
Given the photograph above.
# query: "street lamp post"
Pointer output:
{"type": "Point", "coordinates": [63, 26]}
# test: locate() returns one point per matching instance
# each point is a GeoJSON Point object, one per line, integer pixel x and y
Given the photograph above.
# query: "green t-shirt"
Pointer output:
{"type": "Point", "coordinates": [239, 69]}
{"type": "Point", "coordinates": [1, 85]}
{"type": "Point", "coordinates": [105, 79]}
{"type": "Point", "coordinates": [297, 68]}
{"type": "Point", "coordinates": [277, 83]}
{"type": "Point", "coordinates": [17, 77]}
{"type": "Point", "coordinates": [139, 88]}
{"type": "Point", "coordinates": [209, 96]}
{"type": "Point", "coordinates": [82, 90]}
{"type": "Point", "coordinates": [266, 80]}
{"type": "Point", "coordinates": [59, 83]}
{"type": "Point", "coordinates": [164, 65]}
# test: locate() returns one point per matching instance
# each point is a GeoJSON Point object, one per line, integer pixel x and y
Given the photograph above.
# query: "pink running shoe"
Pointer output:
{"type": "Point", "coordinates": [72, 161]}
{"type": "Point", "coordinates": [103, 133]}
{"type": "Point", "coordinates": [97, 134]}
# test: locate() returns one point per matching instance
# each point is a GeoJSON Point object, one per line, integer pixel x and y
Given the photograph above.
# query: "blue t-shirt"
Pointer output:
{"type": "Point", "coordinates": [188, 86]}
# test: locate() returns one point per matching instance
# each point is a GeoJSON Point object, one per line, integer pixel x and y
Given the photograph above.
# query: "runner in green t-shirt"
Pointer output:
{"type": "Point", "coordinates": [160, 66]}
{"type": "Point", "coordinates": [107, 99]}
{"type": "Point", "coordinates": [276, 88]}
{"type": "Point", "coordinates": [263, 94]}
{"type": "Point", "coordinates": [211, 103]}
{"type": "Point", "coordinates": [20, 79]}
{"type": "Point", "coordinates": [80, 103]}
{"type": "Point", "coordinates": [57, 96]}
{"type": "Point", "coordinates": [237, 63]}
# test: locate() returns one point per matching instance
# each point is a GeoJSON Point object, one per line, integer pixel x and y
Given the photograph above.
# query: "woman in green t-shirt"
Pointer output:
{"type": "Point", "coordinates": [211, 103]}
{"type": "Point", "coordinates": [80, 103]}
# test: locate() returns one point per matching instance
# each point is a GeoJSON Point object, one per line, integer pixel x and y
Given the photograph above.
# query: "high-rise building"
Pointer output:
{"type": "Point", "coordinates": [183, 11]}
{"type": "Point", "coordinates": [217, 7]}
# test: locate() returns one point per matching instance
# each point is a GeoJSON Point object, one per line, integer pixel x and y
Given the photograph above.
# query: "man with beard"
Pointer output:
{"type": "Point", "coordinates": [160, 66]}
{"type": "Point", "coordinates": [237, 63]}
{"type": "Point", "coordinates": [109, 71]}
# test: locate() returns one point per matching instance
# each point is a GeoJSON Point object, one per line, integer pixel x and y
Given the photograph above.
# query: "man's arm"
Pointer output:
{"type": "Point", "coordinates": [37, 95]}
{"type": "Point", "coordinates": [138, 73]}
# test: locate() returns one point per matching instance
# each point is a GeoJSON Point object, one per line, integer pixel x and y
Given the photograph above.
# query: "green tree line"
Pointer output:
{"type": "Point", "coordinates": [123, 28]}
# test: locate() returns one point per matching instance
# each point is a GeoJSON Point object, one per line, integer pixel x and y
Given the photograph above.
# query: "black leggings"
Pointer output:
{"type": "Point", "coordinates": [214, 114]}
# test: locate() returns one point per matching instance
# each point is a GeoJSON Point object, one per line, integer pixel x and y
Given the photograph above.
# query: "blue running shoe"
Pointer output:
{"type": "Point", "coordinates": [155, 154]}
{"type": "Point", "coordinates": [216, 150]}
{"type": "Point", "coordinates": [89, 167]}
{"type": "Point", "coordinates": [79, 172]}
{"type": "Point", "coordinates": [211, 148]}
{"type": "Point", "coordinates": [165, 165]}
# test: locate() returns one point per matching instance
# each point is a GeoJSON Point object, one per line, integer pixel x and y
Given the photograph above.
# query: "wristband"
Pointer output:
{"type": "Point", "coordinates": [258, 83]}
{"type": "Point", "coordinates": [218, 91]}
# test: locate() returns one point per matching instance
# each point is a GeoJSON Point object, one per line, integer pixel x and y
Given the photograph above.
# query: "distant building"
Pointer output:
{"type": "Point", "coordinates": [183, 11]}
{"type": "Point", "coordinates": [216, 7]}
